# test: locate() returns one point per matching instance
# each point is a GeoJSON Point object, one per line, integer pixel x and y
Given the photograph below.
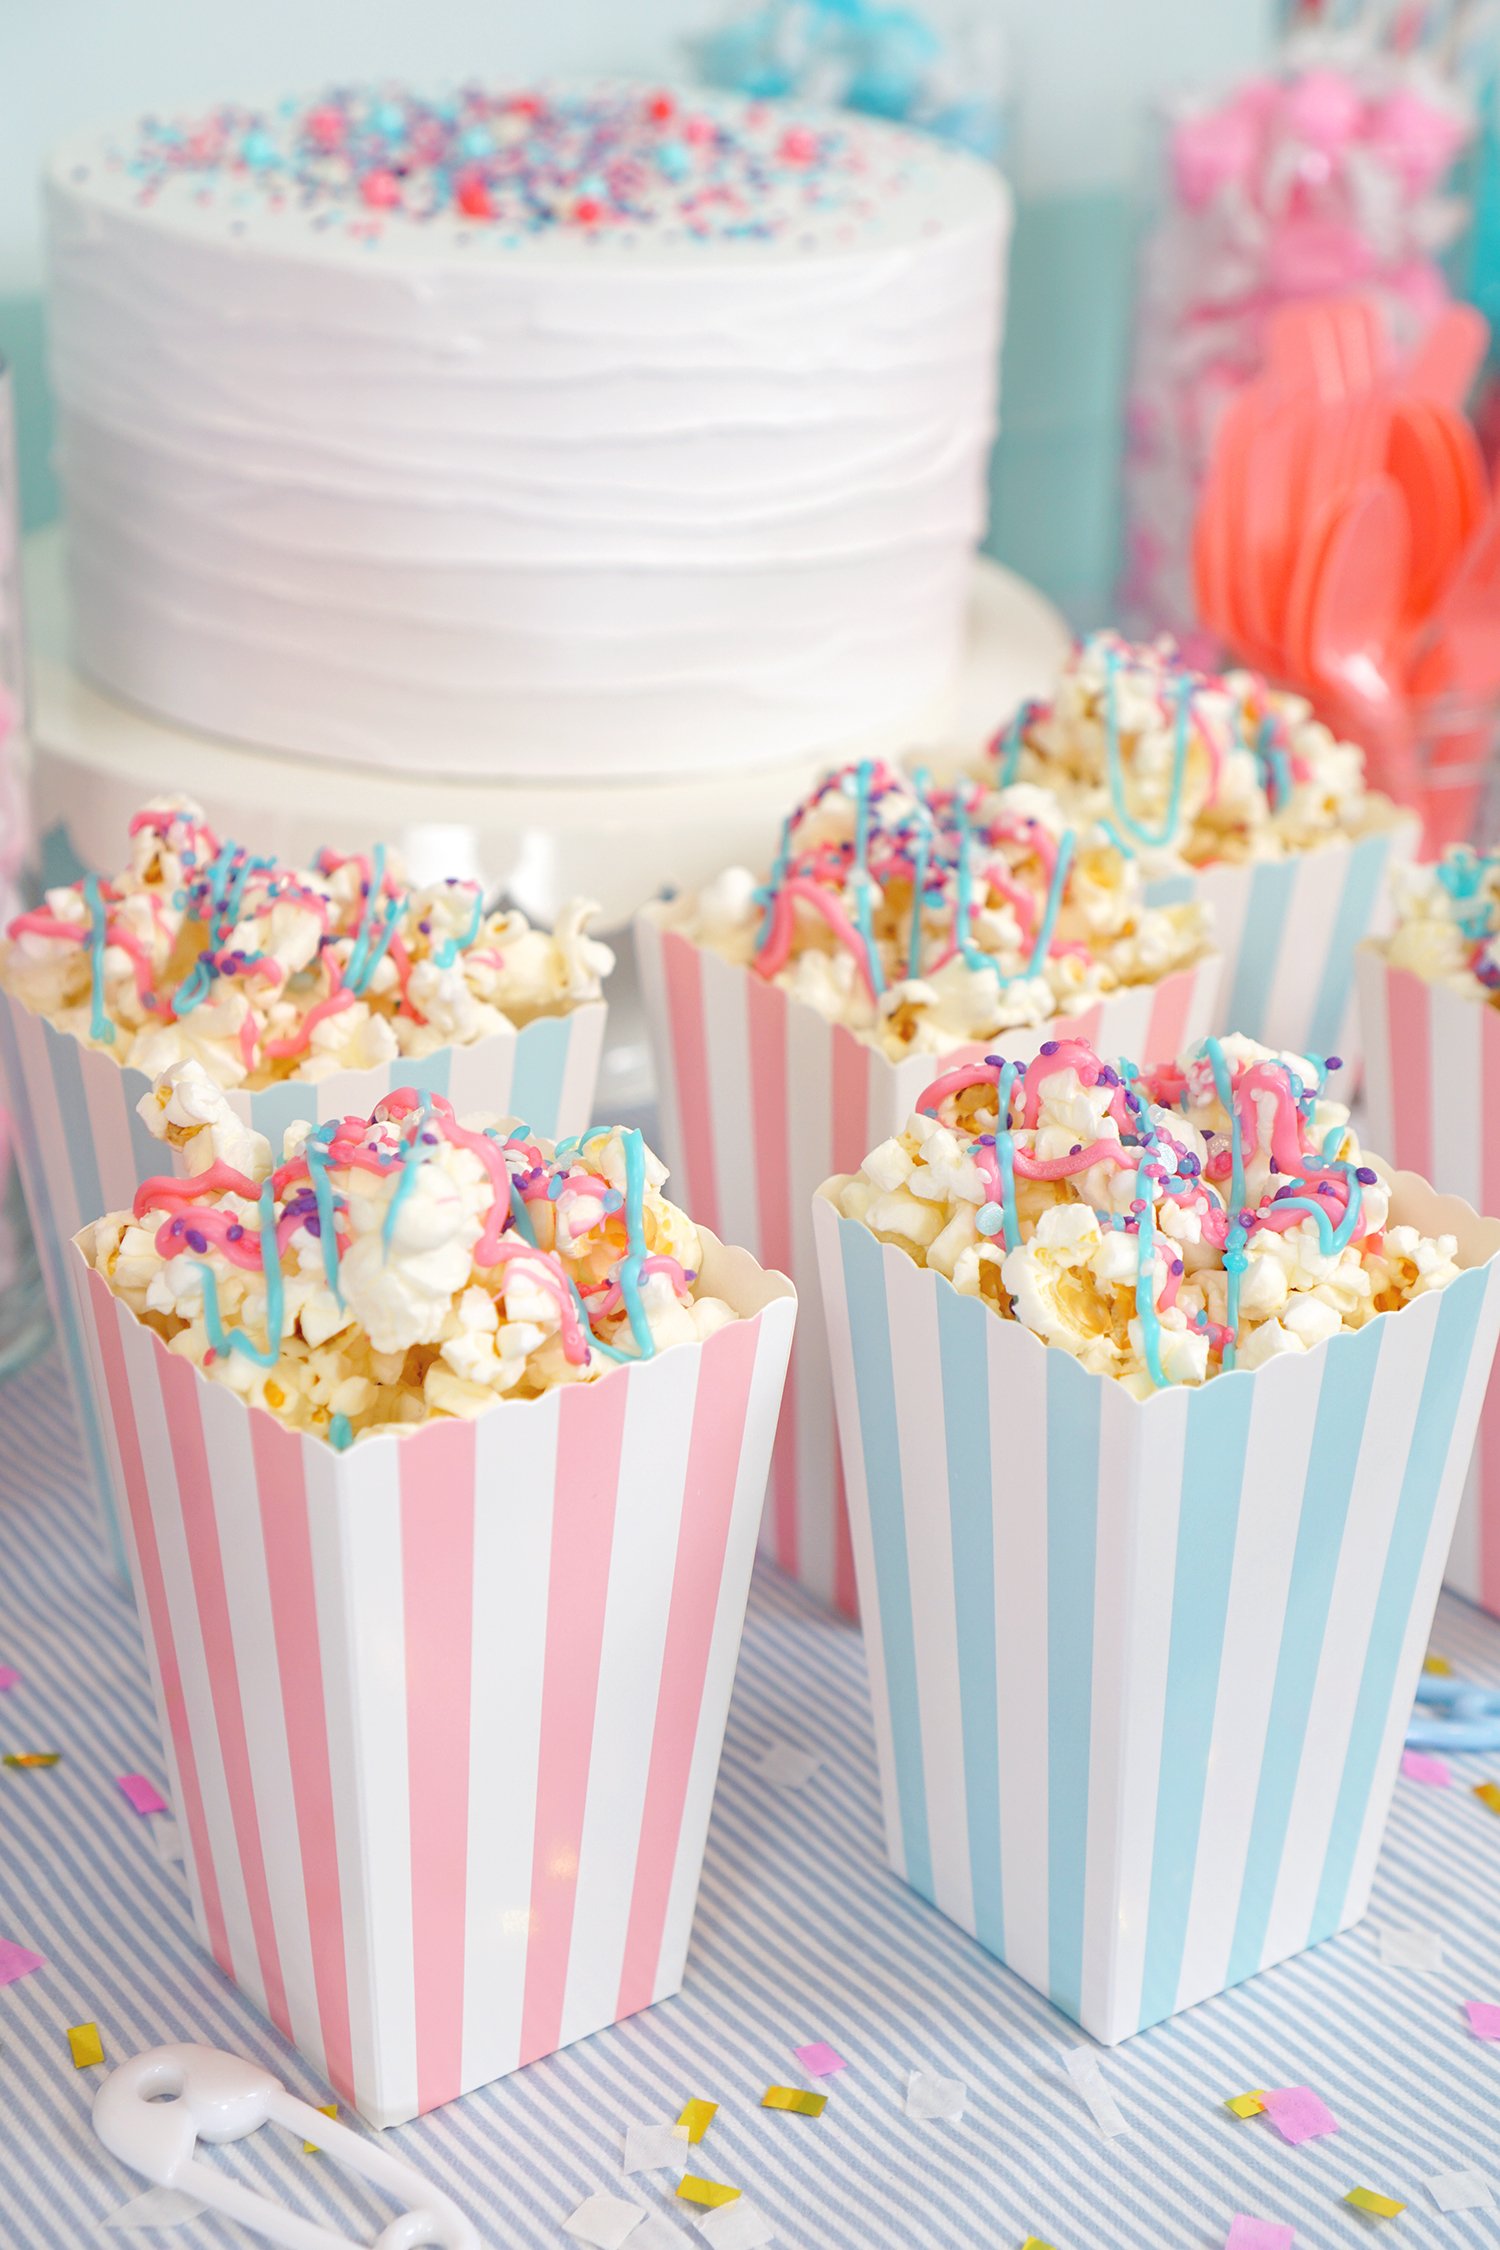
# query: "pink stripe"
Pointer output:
{"type": "Point", "coordinates": [107, 1317]}
{"type": "Point", "coordinates": [286, 1534]}
{"type": "Point", "coordinates": [1171, 1002]}
{"type": "Point", "coordinates": [851, 1101]}
{"type": "Point", "coordinates": [1489, 1426]}
{"type": "Point", "coordinates": [179, 1390]}
{"type": "Point", "coordinates": [590, 1434]}
{"type": "Point", "coordinates": [1085, 1026]}
{"type": "Point", "coordinates": [1408, 1013]}
{"type": "Point", "coordinates": [771, 1109]}
{"type": "Point", "coordinates": [437, 1569]}
{"type": "Point", "coordinates": [845, 1590]}
{"type": "Point", "coordinates": [714, 1451]}
{"type": "Point", "coordinates": [699, 1192]}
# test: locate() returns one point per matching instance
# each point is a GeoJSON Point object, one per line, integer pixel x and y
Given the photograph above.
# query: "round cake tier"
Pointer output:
{"type": "Point", "coordinates": [649, 442]}
{"type": "Point", "coordinates": [96, 761]}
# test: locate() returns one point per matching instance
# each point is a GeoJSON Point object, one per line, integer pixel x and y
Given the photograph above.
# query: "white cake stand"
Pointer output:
{"type": "Point", "coordinates": [96, 760]}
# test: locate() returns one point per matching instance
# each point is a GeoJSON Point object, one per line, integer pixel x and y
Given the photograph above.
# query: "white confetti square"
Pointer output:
{"type": "Point", "coordinates": [787, 1767]}
{"type": "Point", "coordinates": [1411, 1949]}
{"type": "Point", "coordinates": [158, 2207]}
{"type": "Point", "coordinates": [656, 2148]}
{"type": "Point", "coordinates": [1082, 2066]}
{"type": "Point", "coordinates": [932, 2100]}
{"type": "Point", "coordinates": [736, 2226]}
{"type": "Point", "coordinates": [1460, 2191]}
{"type": "Point", "coordinates": [604, 2222]}
{"type": "Point", "coordinates": [659, 2234]}
{"type": "Point", "coordinates": [167, 1837]}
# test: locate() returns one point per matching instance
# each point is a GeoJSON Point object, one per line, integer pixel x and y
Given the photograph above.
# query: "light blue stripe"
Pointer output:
{"type": "Point", "coordinates": [1362, 881]}
{"type": "Point", "coordinates": [963, 1329]}
{"type": "Point", "coordinates": [78, 1131]}
{"type": "Point", "coordinates": [1072, 1507]}
{"type": "Point", "coordinates": [1218, 1422]}
{"type": "Point", "coordinates": [541, 1062]}
{"type": "Point", "coordinates": [1343, 1403]}
{"type": "Point", "coordinates": [274, 1108]}
{"type": "Point", "coordinates": [1171, 890]}
{"type": "Point", "coordinates": [1442, 1386]}
{"type": "Point", "coordinates": [864, 1281]}
{"type": "Point", "coordinates": [429, 1074]}
{"type": "Point", "coordinates": [1271, 888]}
{"type": "Point", "coordinates": [55, 1253]}
{"type": "Point", "coordinates": [150, 1157]}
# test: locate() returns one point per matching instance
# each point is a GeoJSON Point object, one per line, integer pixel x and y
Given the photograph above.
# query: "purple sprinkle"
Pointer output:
{"type": "Point", "coordinates": [235, 1232]}
{"type": "Point", "coordinates": [1275, 1167]}
{"type": "Point", "coordinates": [1334, 1062]}
{"type": "Point", "coordinates": [1366, 1177]}
{"type": "Point", "coordinates": [195, 1240]}
{"type": "Point", "coordinates": [1049, 1046]}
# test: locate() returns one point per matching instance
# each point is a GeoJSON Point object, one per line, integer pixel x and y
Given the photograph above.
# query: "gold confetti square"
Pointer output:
{"type": "Point", "coordinates": [324, 2109]}
{"type": "Point", "coordinates": [85, 2045]}
{"type": "Point", "coordinates": [1378, 2206]}
{"type": "Point", "coordinates": [794, 2098]}
{"type": "Point", "coordinates": [23, 1759]}
{"type": "Point", "coordinates": [1488, 1794]}
{"type": "Point", "coordinates": [1035, 2242]}
{"type": "Point", "coordinates": [710, 2192]}
{"type": "Point", "coordinates": [1247, 2105]}
{"type": "Point", "coordinates": [697, 2117]}
{"type": "Point", "coordinates": [1438, 1666]}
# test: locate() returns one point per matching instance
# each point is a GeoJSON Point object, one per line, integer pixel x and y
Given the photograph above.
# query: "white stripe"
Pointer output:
{"type": "Point", "coordinates": [226, 1432]}
{"type": "Point", "coordinates": [762, 1404]}
{"type": "Point", "coordinates": [587, 1025]}
{"type": "Point", "coordinates": [1156, 1498]}
{"type": "Point", "coordinates": [1455, 1067]}
{"type": "Point", "coordinates": [1272, 1493]}
{"type": "Point", "coordinates": [1018, 1453]}
{"type": "Point", "coordinates": [109, 1095]}
{"type": "Point", "coordinates": [1306, 933]}
{"type": "Point", "coordinates": [1404, 1348]}
{"type": "Point", "coordinates": [726, 1031]}
{"type": "Point", "coordinates": [809, 1080]}
{"type": "Point", "coordinates": [916, 1373]}
{"type": "Point", "coordinates": [646, 932]}
{"type": "Point", "coordinates": [1225, 890]}
{"type": "Point", "coordinates": [481, 1075]}
{"type": "Point", "coordinates": [515, 1461]}
{"type": "Point", "coordinates": [1370, 975]}
{"type": "Point", "coordinates": [835, 1302]}
{"type": "Point", "coordinates": [354, 1511]}
{"type": "Point", "coordinates": [648, 1516]}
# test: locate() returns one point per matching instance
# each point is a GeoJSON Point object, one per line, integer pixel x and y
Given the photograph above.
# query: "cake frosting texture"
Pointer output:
{"type": "Point", "coordinates": [594, 434]}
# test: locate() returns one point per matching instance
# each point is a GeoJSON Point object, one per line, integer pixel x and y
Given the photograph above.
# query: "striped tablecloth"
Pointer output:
{"type": "Point", "coordinates": [802, 1935]}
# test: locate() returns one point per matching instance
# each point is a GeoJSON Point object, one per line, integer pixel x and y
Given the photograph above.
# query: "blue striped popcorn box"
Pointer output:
{"type": "Point", "coordinates": [442, 1713]}
{"type": "Point", "coordinates": [1288, 930]}
{"type": "Point", "coordinates": [1141, 1669]}
{"type": "Point", "coordinates": [83, 1150]}
{"type": "Point", "coordinates": [1432, 1084]}
{"type": "Point", "coordinates": [761, 1098]}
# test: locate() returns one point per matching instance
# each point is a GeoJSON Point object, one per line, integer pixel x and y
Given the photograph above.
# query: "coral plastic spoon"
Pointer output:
{"type": "Point", "coordinates": [1352, 623]}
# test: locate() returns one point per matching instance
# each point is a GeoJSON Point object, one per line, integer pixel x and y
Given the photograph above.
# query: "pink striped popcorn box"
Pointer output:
{"type": "Point", "coordinates": [1141, 1669]}
{"type": "Point", "coordinates": [761, 1098]}
{"type": "Point", "coordinates": [442, 1713]}
{"type": "Point", "coordinates": [1432, 1084]}
{"type": "Point", "coordinates": [82, 1150]}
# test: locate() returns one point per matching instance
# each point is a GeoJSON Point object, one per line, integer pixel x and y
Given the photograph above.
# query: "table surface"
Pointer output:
{"type": "Point", "coordinates": [802, 1934]}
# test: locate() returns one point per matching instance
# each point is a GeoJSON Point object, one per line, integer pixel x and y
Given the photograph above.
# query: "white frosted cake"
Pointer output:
{"type": "Point", "coordinates": [603, 434]}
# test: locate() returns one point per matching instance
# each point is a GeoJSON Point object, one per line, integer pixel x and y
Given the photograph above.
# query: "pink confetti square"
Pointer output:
{"type": "Point", "coordinates": [1257, 2234]}
{"type": "Point", "coordinates": [1484, 2018]}
{"type": "Point", "coordinates": [9, 1678]}
{"type": "Point", "coordinates": [17, 1961]}
{"type": "Point", "coordinates": [141, 1793]}
{"type": "Point", "coordinates": [1417, 1766]}
{"type": "Point", "coordinates": [1298, 2114]}
{"type": "Point", "coordinates": [819, 2060]}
